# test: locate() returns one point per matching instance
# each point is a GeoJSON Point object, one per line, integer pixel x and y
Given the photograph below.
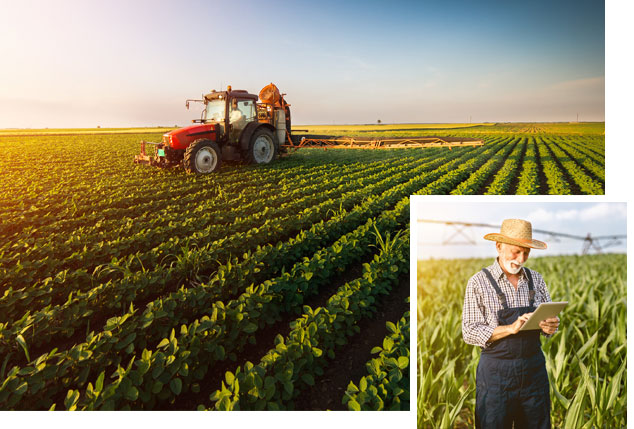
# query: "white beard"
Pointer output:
{"type": "Point", "coordinates": [512, 266]}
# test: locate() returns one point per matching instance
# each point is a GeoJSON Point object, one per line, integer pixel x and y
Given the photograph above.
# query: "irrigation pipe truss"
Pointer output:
{"type": "Point", "coordinates": [597, 243]}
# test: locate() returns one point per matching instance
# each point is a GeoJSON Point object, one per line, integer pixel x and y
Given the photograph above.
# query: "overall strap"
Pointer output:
{"type": "Point", "coordinates": [531, 291]}
{"type": "Point", "coordinates": [499, 292]}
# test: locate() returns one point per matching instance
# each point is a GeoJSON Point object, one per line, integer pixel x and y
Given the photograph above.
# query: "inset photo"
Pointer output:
{"type": "Point", "coordinates": [521, 312]}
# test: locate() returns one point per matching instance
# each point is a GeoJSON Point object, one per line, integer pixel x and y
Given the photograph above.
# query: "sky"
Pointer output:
{"type": "Point", "coordinates": [117, 63]}
{"type": "Point", "coordinates": [573, 218]}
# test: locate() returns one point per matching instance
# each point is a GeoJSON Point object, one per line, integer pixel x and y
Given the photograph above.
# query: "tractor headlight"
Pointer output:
{"type": "Point", "coordinates": [169, 140]}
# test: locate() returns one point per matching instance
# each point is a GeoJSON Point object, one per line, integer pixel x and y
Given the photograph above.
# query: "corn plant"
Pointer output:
{"type": "Point", "coordinates": [585, 359]}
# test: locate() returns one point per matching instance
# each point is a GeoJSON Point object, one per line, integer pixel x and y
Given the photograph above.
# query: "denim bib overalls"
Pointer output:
{"type": "Point", "coordinates": [511, 379]}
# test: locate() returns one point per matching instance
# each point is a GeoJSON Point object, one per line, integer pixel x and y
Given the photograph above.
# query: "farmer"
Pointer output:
{"type": "Point", "coordinates": [237, 120]}
{"type": "Point", "coordinates": [236, 117]}
{"type": "Point", "coordinates": [511, 379]}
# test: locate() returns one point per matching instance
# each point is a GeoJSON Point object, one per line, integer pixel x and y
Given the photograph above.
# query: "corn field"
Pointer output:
{"type": "Point", "coordinates": [585, 359]}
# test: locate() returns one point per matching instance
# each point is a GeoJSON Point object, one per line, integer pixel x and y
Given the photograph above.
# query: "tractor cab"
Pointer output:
{"type": "Point", "coordinates": [231, 111]}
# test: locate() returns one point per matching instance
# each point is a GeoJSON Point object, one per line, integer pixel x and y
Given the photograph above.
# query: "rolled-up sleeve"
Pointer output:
{"type": "Point", "coordinates": [475, 329]}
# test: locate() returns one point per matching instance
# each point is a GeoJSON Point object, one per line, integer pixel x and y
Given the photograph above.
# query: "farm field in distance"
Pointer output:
{"type": "Point", "coordinates": [517, 158]}
{"type": "Point", "coordinates": [282, 286]}
{"type": "Point", "coordinates": [585, 359]}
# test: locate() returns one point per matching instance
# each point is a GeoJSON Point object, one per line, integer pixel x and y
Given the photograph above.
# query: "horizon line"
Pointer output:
{"type": "Point", "coordinates": [475, 124]}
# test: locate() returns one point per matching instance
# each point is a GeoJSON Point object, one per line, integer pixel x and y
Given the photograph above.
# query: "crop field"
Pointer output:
{"type": "Point", "coordinates": [273, 287]}
{"type": "Point", "coordinates": [282, 286]}
{"type": "Point", "coordinates": [522, 159]}
{"type": "Point", "coordinates": [585, 359]}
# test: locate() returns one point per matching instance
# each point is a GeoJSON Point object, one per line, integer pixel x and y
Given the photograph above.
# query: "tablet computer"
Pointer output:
{"type": "Point", "coordinates": [546, 310]}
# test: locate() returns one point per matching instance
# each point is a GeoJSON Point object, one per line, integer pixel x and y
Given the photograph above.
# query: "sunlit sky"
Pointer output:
{"type": "Point", "coordinates": [572, 218]}
{"type": "Point", "coordinates": [120, 63]}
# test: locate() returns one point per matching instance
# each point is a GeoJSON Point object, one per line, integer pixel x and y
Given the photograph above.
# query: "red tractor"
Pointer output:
{"type": "Point", "coordinates": [233, 126]}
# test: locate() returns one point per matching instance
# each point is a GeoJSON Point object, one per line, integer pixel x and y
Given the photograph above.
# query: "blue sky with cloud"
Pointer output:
{"type": "Point", "coordinates": [574, 218]}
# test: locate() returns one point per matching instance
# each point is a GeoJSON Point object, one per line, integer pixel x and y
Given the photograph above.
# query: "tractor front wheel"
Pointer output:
{"type": "Point", "coordinates": [202, 156]}
{"type": "Point", "coordinates": [262, 147]}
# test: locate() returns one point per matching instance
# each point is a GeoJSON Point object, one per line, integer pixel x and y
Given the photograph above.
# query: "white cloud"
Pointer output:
{"type": "Point", "coordinates": [603, 210]}
{"type": "Point", "coordinates": [571, 214]}
{"type": "Point", "coordinates": [540, 216]}
{"type": "Point", "coordinates": [592, 213]}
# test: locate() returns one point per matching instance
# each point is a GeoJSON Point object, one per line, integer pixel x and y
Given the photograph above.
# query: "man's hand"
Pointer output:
{"type": "Point", "coordinates": [502, 331]}
{"type": "Point", "coordinates": [549, 326]}
{"type": "Point", "coordinates": [514, 327]}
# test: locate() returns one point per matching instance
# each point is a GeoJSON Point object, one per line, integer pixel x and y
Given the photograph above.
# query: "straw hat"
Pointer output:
{"type": "Point", "coordinates": [518, 232]}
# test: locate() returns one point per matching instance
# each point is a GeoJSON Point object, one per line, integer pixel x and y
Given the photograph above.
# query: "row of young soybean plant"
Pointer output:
{"type": "Point", "coordinates": [131, 201]}
{"type": "Point", "coordinates": [176, 363]}
{"type": "Point", "coordinates": [75, 196]}
{"type": "Point", "coordinates": [148, 225]}
{"type": "Point", "coordinates": [180, 193]}
{"type": "Point", "coordinates": [307, 219]}
{"type": "Point", "coordinates": [563, 166]}
{"type": "Point", "coordinates": [528, 183]}
{"type": "Point", "coordinates": [209, 221]}
{"type": "Point", "coordinates": [59, 199]}
{"type": "Point", "coordinates": [591, 146]}
{"type": "Point", "coordinates": [564, 173]}
{"type": "Point", "coordinates": [40, 192]}
{"type": "Point", "coordinates": [139, 284]}
{"type": "Point", "coordinates": [458, 171]}
{"type": "Point", "coordinates": [556, 181]}
{"type": "Point", "coordinates": [507, 173]}
{"type": "Point", "coordinates": [494, 161]}
{"type": "Point", "coordinates": [112, 347]}
{"type": "Point", "coordinates": [174, 205]}
{"type": "Point", "coordinates": [386, 386]}
{"type": "Point", "coordinates": [294, 362]}
{"type": "Point", "coordinates": [574, 167]}
{"type": "Point", "coordinates": [590, 160]}
{"type": "Point", "coordinates": [585, 359]}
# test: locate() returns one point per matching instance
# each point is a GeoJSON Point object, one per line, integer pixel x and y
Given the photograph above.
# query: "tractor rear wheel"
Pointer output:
{"type": "Point", "coordinates": [202, 156]}
{"type": "Point", "coordinates": [262, 147]}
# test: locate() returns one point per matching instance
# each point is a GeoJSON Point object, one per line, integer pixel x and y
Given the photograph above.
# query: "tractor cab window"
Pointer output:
{"type": "Point", "coordinates": [215, 110]}
{"type": "Point", "coordinates": [242, 112]}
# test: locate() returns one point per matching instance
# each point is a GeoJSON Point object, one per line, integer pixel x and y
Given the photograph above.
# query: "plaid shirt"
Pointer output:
{"type": "Point", "coordinates": [481, 303]}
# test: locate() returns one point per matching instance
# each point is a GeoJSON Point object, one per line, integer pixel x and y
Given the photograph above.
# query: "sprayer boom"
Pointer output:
{"type": "Point", "coordinates": [390, 143]}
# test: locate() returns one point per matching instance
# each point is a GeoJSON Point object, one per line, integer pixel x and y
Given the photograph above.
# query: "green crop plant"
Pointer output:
{"type": "Point", "coordinates": [387, 384]}
{"type": "Point", "coordinates": [585, 359]}
{"type": "Point", "coordinates": [102, 261]}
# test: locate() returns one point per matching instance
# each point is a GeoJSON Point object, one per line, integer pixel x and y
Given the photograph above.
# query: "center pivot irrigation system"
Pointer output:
{"type": "Point", "coordinates": [596, 243]}
{"type": "Point", "coordinates": [238, 126]}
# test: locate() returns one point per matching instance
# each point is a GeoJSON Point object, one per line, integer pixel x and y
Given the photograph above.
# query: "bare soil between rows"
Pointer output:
{"type": "Point", "coordinates": [350, 359]}
{"type": "Point", "coordinates": [265, 341]}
